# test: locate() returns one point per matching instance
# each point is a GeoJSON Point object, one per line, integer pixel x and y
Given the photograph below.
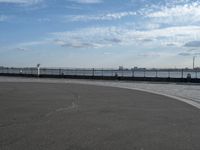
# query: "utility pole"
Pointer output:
{"type": "Point", "coordinates": [38, 70]}
{"type": "Point", "coordinates": [194, 61]}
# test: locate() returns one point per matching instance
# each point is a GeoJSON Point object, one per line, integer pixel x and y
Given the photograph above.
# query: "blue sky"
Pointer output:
{"type": "Point", "coordinates": [99, 33]}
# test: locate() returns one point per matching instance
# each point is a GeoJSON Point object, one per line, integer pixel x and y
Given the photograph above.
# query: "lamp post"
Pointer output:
{"type": "Point", "coordinates": [38, 70]}
{"type": "Point", "coordinates": [194, 61]}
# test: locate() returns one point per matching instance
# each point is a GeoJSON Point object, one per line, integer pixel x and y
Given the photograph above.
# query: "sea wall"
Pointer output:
{"type": "Point", "coordinates": [152, 79]}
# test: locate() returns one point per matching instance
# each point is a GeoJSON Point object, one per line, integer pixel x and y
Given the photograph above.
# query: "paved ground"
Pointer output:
{"type": "Point", "coordinates": [186, 91]}
{"type": "Point", "coordinates": [44, 116]}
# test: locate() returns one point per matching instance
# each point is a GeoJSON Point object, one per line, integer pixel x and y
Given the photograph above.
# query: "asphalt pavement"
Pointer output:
{"type": "Point", "coordinates": [53, 116]}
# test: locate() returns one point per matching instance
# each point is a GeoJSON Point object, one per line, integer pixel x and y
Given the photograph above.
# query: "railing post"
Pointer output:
{"type": "Point", "coordinates": [83, 72]}
{"type": "Point", "coordinates": [156, 73]}
{"type": "Point", "coordinates": [38, 70]}
{"type": "Point", "coordinates": [133, 73]}
{"type": "Point", "coordinates": [168, 73]}
{"type": "Point", "coordinates": [59, 72]}
{"type": "Point", "coordinates": [75, 72]}
{"type": "Point", "coordinates": [182, 73]}
{"type": "Point", "coordinates": [196, 73]}
{"type": "Point", "coordinates": [93, 72]}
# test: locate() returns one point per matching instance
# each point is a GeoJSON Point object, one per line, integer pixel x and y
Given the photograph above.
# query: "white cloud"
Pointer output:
{"type": "Point", "coordinates": [111, 36]}
{"type": "Point", "coordinates": [180, 10]}
{"type": "Point", "coordinates": [87, 1]}
{"type": "Point", "coordinates": [26, 2]}
{"type": "Point", "coordinates": [173, 13]}
{"type": "Point", "coordinates": [188, 13]}
{"type": "Point", "coordinates": [154, 33]}
{"type": "Point", "coordinates": [33, 43]}
{"type": "Point", "coordinates": [188, 54]}
{"type": "Point", "coordinates": [108, 16]}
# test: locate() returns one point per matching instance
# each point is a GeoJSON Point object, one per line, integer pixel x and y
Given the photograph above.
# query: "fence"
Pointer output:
{"type": "Point", "coordinates": [146, 73]}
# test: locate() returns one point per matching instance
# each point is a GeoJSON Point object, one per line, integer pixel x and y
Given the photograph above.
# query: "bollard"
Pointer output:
{"type": "Point", "coordinates": [133, 73]}
{"type": "Point", "coordinates": [188, 77]}
{"type": "Point", "coordinates": [116, 75]}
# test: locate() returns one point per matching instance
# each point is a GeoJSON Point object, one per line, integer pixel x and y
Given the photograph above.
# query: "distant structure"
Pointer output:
{"type": "Point", "coordinates": [121, 67]}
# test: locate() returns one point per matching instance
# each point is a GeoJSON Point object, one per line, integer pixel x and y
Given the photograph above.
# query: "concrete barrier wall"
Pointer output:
{"type": "Point", "coordinates": [153, 79]}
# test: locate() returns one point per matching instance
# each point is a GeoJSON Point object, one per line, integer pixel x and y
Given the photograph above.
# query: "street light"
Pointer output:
{"type": "Point", "coordinates": [194, 61]}
{"type": "Point", "coordinates": [38, 70]}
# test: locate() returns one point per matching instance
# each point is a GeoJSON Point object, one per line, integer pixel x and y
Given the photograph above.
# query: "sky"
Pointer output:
{"type": "Point", "coordinates": [100, 33]}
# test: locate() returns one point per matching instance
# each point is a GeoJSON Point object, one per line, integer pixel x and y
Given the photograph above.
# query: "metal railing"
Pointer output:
{"type": "Point", "coordinates": [153, 73]}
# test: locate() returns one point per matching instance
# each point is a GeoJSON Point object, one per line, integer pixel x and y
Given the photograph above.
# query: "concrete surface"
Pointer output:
{"type": "Point", "coordinates": [187, 92]}
{"type": "Point", "coordinates": [52, 116]}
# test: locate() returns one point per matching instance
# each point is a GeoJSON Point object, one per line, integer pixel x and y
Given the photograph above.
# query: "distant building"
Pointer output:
{"type": "Point", "coordinates": [135, 67]}
{"type": "Point", "coordinates": [121, 68]}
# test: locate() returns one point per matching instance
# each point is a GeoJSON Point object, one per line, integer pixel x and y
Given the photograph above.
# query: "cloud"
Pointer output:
{"type": "Point", "coordinates": [87, 1]}
{"type": "Point", "coordinates": [24, 45]}
{"type": "Point", "coordinates": [22, 49]}
{"type": "Point", "coordinates": [174, 13]}
{"type": "Point", "coordinates": [95, 37]}
{"type": "Point", "coordinates": [192, 44]}
{"type": "Point", "coordinates": [146, 40]}
{"type": "Point", "coordinates": [76, 44]}
{"type": "Point", "coordinates": [171, 44]}
{"type": "Point", "coordinates": [185, 13]}
{"type": "Point", "coordinates": [108, 16]}
{"type": "Point", "coordinates": [185, 54]}
{"type": "Point", "coordinates": [188, 54]}
{"type": "Point", "coordinates": [99, 37]}
{"type": "Point", "coordinates": [150, 54]}
{"type": "Point", "coordinates": [114, 40]}
{"type": "Point", "coordinates": [25, 2]}
{"type": "Point", "coordinates": [193, 49]}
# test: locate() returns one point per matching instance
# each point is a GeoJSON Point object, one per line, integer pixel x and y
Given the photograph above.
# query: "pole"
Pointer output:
{"type": "Point", "coordinates": [93, 72]}
{"type": "Point", "coordinates": [168, 73]}
{"type": "Point", "coordinates": [182, 73]}
{"type": "Point", "coordinates": [156, 73]}
{"type": "Point", "coordinates": [193, 62]}
{"type": "Point", "coordinates": [38, 70]}
{"type": "Point", "coordinates": [196, 73]}
{"type": "Point", "coordinates": [133, 75]}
